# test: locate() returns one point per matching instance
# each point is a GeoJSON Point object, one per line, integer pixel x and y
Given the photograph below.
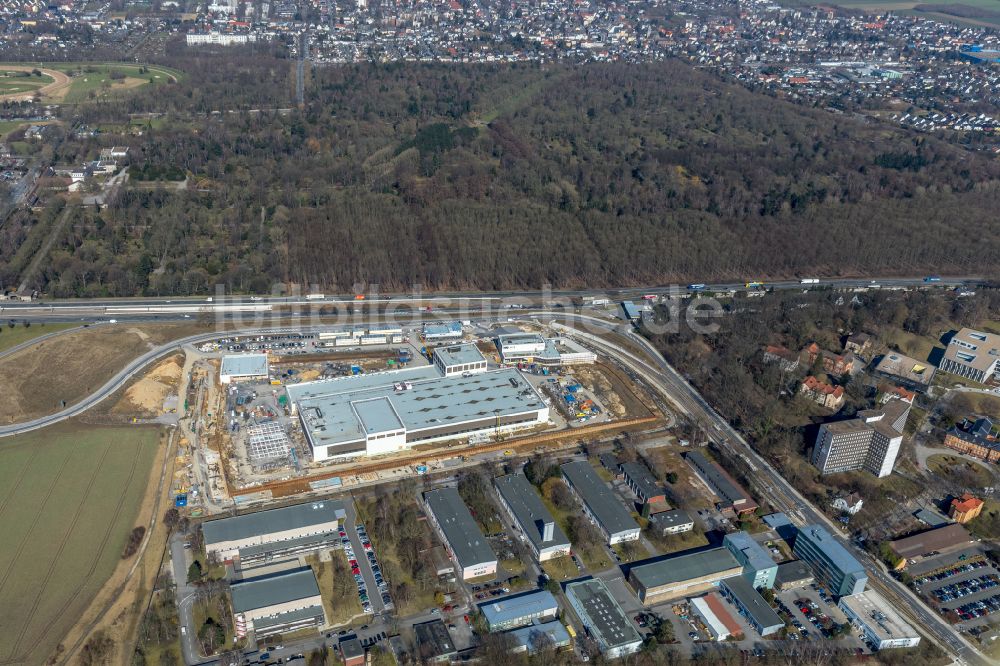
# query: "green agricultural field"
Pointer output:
{"type": "Point", "coordinates": [68, 499]}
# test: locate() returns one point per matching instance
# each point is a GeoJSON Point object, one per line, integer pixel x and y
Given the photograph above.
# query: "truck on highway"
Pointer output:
{"type": "Point", "coordinates": [359, 297]}
{"type": "Point", "coordinates": [809, 281]}
{"type": "Point", "coordinates": [315, 297]}
{"type": "Point", "coordinates": [697, 287]}
{"type": "Point", "coordinates": [932, 278]}
{"type": "Point", "coordinates": [754, 285]}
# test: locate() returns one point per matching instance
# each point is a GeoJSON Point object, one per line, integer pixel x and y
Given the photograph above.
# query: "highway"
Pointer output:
{"type": "Point", "coordinates": [163, 308]}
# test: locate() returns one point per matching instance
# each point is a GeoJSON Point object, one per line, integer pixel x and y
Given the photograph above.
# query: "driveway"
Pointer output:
{"type": "Point", "coordinates": [185, 600]}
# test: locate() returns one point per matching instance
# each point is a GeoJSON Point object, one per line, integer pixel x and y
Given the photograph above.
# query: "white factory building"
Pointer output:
{"type": "Point", "coordinates": [879, 623]}
{"type": "Point", "coordinates": [382, 412]}
{"type": "Point", "coordinates": [533, 348]}
{"type": "Point", "coordinates": [243, 367]}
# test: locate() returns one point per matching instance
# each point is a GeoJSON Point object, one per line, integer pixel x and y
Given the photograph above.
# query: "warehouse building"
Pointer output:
{"type": "Point", "coordinates": [758, 567]}
{"type": "Point", "coordinates": [641, 482]}
{"type": "Point", "coordinates": [603, 618]}
{"type": "Point", "coordinates": [459, 360]}
{"type": "Point", "coordinates": [447, 331]}
{"type": "Point", "coordinates": [533, 348]}
{"type": "Point", "coordinates": [243, 367]}
{"type": "Point", "coordinates": [532, 519]}
{"type": "Point", "coordinates": [751, 605]}
{"type": "Point", "coordinates": [519, 611]}
{"type": "Point", "coordinates": [938, 540]}
{"type": "Point", "coordinates": [462, 538]}
{"type": "Point", "coordinates": [267, 535]}
{"type": "Point", "coordinates": [716, 617]}
{"type": "Point", "coordinates": [830, 560]}
{"type": "Point", "coordinates": [733, 497]}
{"type": "Point", "coordinates": [278, 603]}
{"type": "Point", "coordinates": [384, 412]}
{"type": "Point", "coordinates": [671, 522]}
{"type": "Point", "coordinates": [529, 639]}
{"type": "Point", "coordinates": [879, 623]}
{"type": "Point", "coordinates": [600, 504]}
{"type": "Point", "coordinates": [682, 575]}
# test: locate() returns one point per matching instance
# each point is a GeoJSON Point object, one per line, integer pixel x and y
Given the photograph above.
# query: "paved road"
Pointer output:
{"type": "Point", "coordinates": [185, 600]}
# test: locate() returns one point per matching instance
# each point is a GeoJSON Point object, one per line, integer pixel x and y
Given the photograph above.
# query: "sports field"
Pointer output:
{"type": "Point", "coordinates": [68, 499]}
{"type": "Point", "coordinates": [71, 83]}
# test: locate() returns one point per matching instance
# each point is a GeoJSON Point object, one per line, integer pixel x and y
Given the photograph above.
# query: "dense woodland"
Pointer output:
{"type": "Point", "coordinates": [494, 177]}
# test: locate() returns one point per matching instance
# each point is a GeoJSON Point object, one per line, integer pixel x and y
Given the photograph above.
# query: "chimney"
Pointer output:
{"type": "Point", "coordinates": [548, 530]}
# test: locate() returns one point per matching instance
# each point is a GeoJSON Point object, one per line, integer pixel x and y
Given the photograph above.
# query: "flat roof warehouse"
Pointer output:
{"type": "Point", "coordinates": [343, 416]}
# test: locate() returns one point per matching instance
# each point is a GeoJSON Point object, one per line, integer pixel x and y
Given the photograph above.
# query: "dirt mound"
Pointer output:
{"type": "Point", "coordinates": [146, 396]}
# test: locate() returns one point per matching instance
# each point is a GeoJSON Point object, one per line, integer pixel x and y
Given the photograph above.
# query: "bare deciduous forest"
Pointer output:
{"type": "Point", "coordinates": [495, 177]}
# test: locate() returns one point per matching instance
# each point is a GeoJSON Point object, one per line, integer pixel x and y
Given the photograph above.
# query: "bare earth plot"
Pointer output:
{"type": "Point", "coordinates": [68, 499]}
{"type": "Point", "coordinates": [69, 367]}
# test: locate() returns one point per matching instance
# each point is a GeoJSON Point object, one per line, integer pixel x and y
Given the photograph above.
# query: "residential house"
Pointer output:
{"type": "Point", "coordinates": [965, 508]}
{"type": "Point", "coordinates": [859, 343]}
{"type": "Point", "coordinates": [831, 397]}
{"type": "Point", "coordinates": [786, 359]}
{"type": "Point", "coordinates": [834, 364]}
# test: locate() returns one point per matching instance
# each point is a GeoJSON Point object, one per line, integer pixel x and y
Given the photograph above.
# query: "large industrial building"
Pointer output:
{"type": "Point", "coordinates": [520, 610]}
{"type": "Point", "coordinates": [533, 520]}
{"type": "Point", "coordinates": [462, 537]}
{"type": "Point", "coordinates": [831, 561]}
{"type": "Point", "coordinates": [388, 411]}
{"type": "Point", "coordinates": [600, 504]}
{"type": "Point", "coordinates": [682, 575]}
{"type": "Point", "coordinates": [972, 354]}
{"type": "Point", "coordinates": [878, 621]}
{"type": "Point", "coordinates": [938, 540]}
{"type": "Point", "coordinates": [264, 536]}
{"type": "Point", "coordinates": [243, 367]}
{"type": "Point", "coordinates": [870, 442]}
{"type": "Point", "coordinates": [459, 360]}
{"type": "Point", "coordinates": [603, 618]}
{"type": "Point", "coordinates": [280, 602]}
{"type": "Point", "coordinates": [758, 567]}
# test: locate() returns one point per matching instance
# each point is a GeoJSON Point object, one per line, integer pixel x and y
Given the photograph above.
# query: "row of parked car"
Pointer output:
{"type": "Point", "coordinates": [948, 573]}
{"type": "Point", "coordinates": [359, 579]}
{"type": "Point", "coordinates": [967, 587]}
{"type": "Point", "coordinates": [383, 587]}
{"type": "Point", "coordinates": [981, 608]}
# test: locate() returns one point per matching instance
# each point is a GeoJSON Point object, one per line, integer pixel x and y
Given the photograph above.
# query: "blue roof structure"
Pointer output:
{"type": "Point", "coordinates": [511, 609]}
{"type": "Point", "coordinates": [754, 554]}
{"type": "Point", "coordinates": [449, 330]}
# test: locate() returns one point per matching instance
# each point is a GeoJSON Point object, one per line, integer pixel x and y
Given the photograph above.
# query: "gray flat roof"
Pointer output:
{"type": "Point", "coordinates": [793, 572]}
{"type": "Point", "coordinates": [260, 523]}
{"type": "Point", "coordinates": [603, 614]}
{"type": "Point", "coordinates": [879, 615]}
{"type": "Point", "coordinates": [377, 415]}
{"type": "Point", "coordinates": [244, 365]}
{"type": "Point", "coordinates": [684, 567]}
{"type": "Point", "coordinates": [756, 555]}
{"type": "Point", "coordinates": [671, 518]}
{"type": "Point", "coordinates": [463, 535]}
{"type": "Point", "coordinates": [509, 609]}
{"type": "Point", "coordinates": [521, 339]}
{"type": "Point", "coordinates": [752, 602]}
{"type": "Point", "coordinates": [527, 506]}
{"type": "Point", "coordinates": [601, 502]}
{"type": "Point", "coordinates": [433, 639]}
{"type": "Point", "coordinates": [273, 589]}
{"type": "Point", "coordinates": [834, 551]}
{"type": "Point", "coordinates": [554, 631]}
{"type": "Point", "coordinates": [428, 400]}
{"type": "Point", "coordinates": [640, 475]}
{"type": "Point", "coordinates": [716, 477]}
{"type": "Point", "coordinates": [459, 354]}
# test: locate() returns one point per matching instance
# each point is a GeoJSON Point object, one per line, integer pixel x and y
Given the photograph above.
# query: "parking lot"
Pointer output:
{"type": "Point", "coordinates": [964, 586]}
{"type": "Point", "coordinates": [814, 614]}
